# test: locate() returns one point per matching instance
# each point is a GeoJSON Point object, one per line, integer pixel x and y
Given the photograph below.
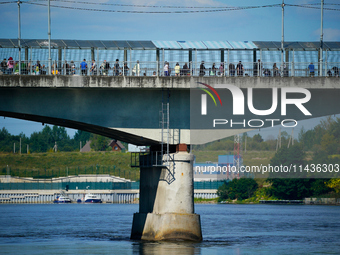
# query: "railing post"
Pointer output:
{"type": "Point", "coordinates": [157, 70]}
{"type": "Point", "coordinates": [97, 63]}
{"type": "Point", "coordinates": [123, 69]}
{"type": "Point", "coordinates": [228, 63]}
{"type": "Point", "coordinates": [191, 73]}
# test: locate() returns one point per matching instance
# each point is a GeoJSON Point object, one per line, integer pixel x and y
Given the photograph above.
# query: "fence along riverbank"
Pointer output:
{"type": "Point", "coordinates": [110, 189]}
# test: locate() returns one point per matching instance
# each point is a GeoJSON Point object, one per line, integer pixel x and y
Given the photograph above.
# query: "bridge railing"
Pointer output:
{"type": "Point", "coordinates": [180, 68]}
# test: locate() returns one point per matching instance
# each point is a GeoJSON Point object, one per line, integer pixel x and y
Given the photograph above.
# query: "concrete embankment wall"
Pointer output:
{"type": "Point", "coordinates": [322, 201]}
{"type": "Point", "coordinates": [110, 189]}
{"type": "Point", "coordinates": [48, 196]}
{"type": "Point", "coordinates": [107, 196]}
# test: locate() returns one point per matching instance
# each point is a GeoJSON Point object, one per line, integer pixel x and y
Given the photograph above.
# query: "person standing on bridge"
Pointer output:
{"type": "Point", "coordinates": [231, 69]}
{"type": "Point", "coordinates": [83, 67]}
{"type": "Point", "coordinates": [73, 68]}
{"type": "Point", "coordinates": [66, 68]}
{"type": "Point", "coordinates": [311, 70]}
{"type": "Point", "coordinates": [116, 67]}
{"type": "Point", "coordinates": [177, 70]}
{"type": "Point", "coordinates": [105, 66]}
{"type": "Point", "coordinates": [221, 68]}
{"type": "Point", "coordinates": [94, 67]}
{"type": "Point", "coordinates": [10, 65]}
{"type": "Point", "coordinates": [239, 69]}
{"type": "Point", "coordinates": [38, 68]}
{"type": "Point", "coordinates": [258, 68]}
{"type": "Point", "coordinates": [126, 69]}
{"type": "Point", "coordinates": [166, 69]}
{"type": "Point", "coordinates": [213, 70]}
{"type": "Point", "coordinates": [275, 70]}
{"type": "Point", "coordinates": [4, 66]}
{"type": "Point", "coordinates": [185, 69]}
{"type": "Point", "coordinates": [136, 69]}
{"type": "Point", "coordinates": [336, 71]}
{"type": "Point", "coordinates": [202, 68]}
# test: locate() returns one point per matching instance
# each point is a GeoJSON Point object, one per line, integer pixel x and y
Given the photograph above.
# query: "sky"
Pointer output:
{"type": "Point", "coordinates": [191, 20]}
{"type": "Point", "coordinates": [257, 24]}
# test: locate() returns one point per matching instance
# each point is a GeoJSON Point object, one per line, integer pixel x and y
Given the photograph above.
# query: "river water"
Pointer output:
{"type": "Point", "coordinates": [226, 228]}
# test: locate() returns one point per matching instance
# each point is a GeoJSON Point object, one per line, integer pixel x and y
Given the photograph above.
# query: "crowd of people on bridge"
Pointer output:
{"type": "Point", "coordinates": [11, 66]}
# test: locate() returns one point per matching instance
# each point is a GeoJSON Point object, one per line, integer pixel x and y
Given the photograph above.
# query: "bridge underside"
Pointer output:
{"type": "Point", "coordinates": [108, 112]}
{"type": "Point", "coordinates": [108, 132]}
{"type": "Point", "coordinates": [130, 108]}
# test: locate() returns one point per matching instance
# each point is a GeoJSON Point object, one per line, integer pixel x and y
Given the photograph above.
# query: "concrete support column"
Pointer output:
{"type": "Point", "coordinates": [166, 204]}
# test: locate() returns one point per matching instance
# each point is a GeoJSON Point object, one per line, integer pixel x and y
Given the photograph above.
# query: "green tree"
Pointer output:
{"type": "Point", "coordinates": [290, 189]}
{"type": "Point", "coordinates": [257, 138]}
{"type": "Point", "coordinates": [99, 143]}
{"type": "Point", "coordinates": [81, 136]}
{"type": "Point", "coordinates": [282, 188]}
{"type": "Point", "coordinates": [289, 156]}
{"type": "Point", "coordinates": [59, 134]}
{"type": "Point", "coordinates": [334, 184]}
{"type": "Point", "coordinates": [42, 141]}
{"type": "Point", "coordinates": [240, 189]}
{"type": "Point", "coordinates": [320, 187]}
{"type": "Point", "coordinates": [222, 192]}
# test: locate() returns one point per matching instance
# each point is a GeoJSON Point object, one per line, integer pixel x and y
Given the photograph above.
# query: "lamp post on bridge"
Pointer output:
{"type": "Point", "coordinates": [19, 35]}
{"type": "Point", "coordinates": [49, 39]}
{"type": "Point", "coordinates": [321, 41]}
{"type": "Point", "coordinates": [282, 38]}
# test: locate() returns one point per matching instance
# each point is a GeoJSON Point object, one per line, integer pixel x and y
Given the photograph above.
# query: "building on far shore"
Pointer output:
{"type": "Point", "coordinates": [114, 144]}
{"type": "Point", "coordinates": [217, 171]}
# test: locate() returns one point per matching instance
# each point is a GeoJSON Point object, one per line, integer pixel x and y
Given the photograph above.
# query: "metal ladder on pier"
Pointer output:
{"type": "Point", "coordinates": [166, 136]}
{"type": "Point", "coordinates": [162, 158]}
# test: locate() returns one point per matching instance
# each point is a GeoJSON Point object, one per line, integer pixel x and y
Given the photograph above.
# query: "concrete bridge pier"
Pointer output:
{"type": "Point", "coordinates": [166, 205]}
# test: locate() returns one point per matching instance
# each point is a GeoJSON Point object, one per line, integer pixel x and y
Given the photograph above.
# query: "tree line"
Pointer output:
{"type": "Point", "coordinates": [324, 143]}
{"type": "Point", "coordinates": [47, 138]}
{"type": "Point", "coordinates": [248, 143]}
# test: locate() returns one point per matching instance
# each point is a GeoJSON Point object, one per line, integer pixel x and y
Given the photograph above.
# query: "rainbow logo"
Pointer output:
{"type": "Point", "coordinates": [204, 97]}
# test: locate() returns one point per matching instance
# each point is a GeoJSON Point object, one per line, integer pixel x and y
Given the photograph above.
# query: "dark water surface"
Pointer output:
{"type": "Point", "coordinates": [227, 229]}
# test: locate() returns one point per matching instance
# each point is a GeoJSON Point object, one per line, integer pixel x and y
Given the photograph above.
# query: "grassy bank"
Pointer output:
{"type": "Point", "coordinates": [46, 165]}
{"type": "Point", "coordinates": [72, 163]}
{"type": "Point", "coordinates": [205, 201]}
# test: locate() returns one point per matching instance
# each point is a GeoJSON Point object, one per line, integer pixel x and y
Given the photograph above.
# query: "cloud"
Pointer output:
{"type": "Point", "coordinates": [329, 34]}
{"type": "Point", "coordinates": [188, 3]}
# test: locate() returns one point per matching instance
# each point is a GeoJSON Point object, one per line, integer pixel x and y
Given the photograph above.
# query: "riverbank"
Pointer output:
{"type": "Point", "coordinates": [306, 201]}
{"type": "Point", "coordinates": [59, 164]}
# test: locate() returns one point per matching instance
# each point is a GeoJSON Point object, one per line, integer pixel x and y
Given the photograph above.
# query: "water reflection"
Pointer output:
{"type": "Point", "coordinates": [227, 229]}
{"type": "Point", "coordinates": [170, 248]}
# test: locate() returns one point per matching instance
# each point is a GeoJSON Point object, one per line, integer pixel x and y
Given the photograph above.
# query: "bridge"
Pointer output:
{"type": "Point", "coordinates": [128, 109]}
{"type": "Point", "coordinates": [170, 112]}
